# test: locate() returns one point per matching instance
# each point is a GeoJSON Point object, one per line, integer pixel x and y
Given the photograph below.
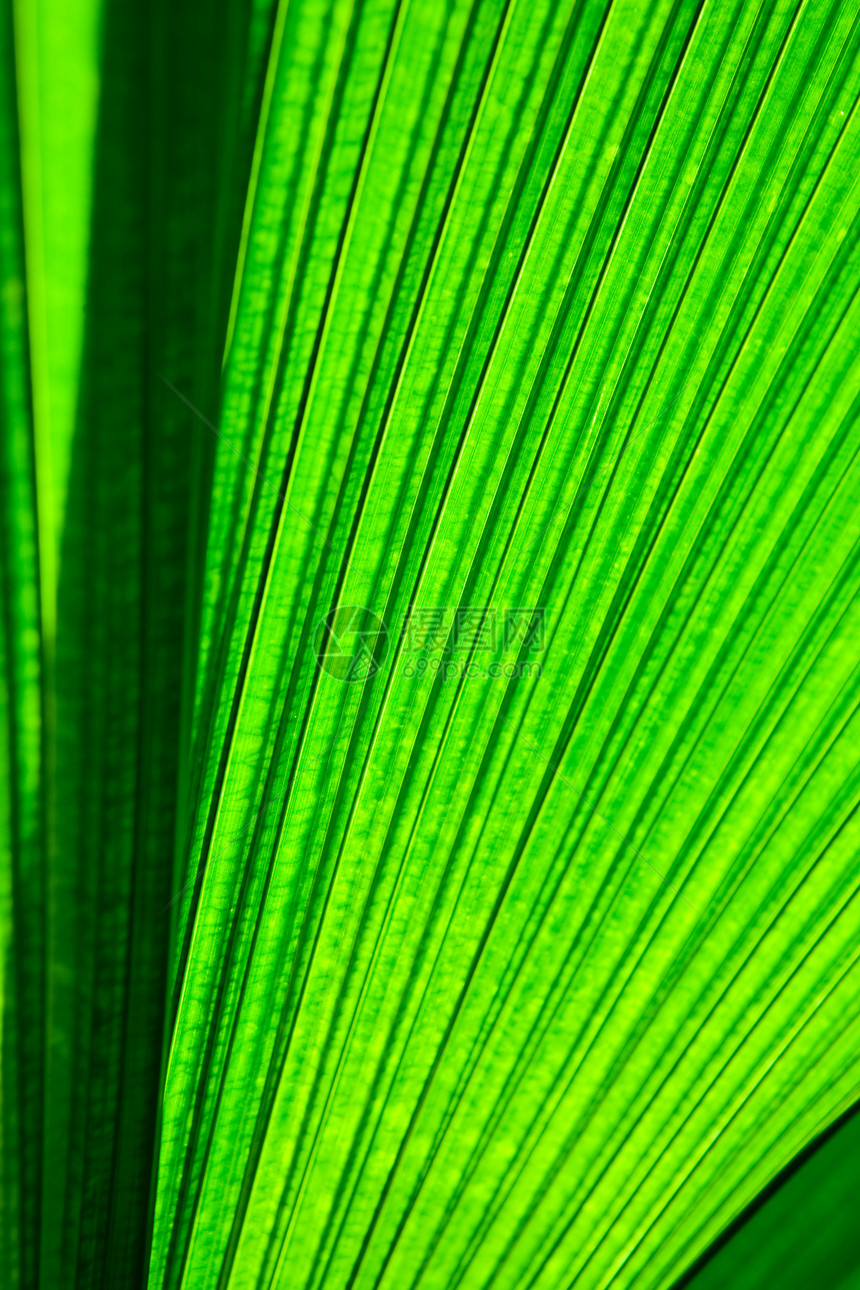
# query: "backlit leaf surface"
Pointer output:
{"type": "Point", "coordinates": [359, 958]}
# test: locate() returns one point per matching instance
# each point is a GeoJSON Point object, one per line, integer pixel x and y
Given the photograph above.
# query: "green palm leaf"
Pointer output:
{"type": "Point", "coordinates": [430, 474]}
{"type": "Point", "coordinates": [799, 1231]}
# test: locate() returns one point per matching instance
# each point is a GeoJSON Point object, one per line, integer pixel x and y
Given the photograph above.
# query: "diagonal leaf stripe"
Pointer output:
{"type": "Point", "coordinates": [429, 652]}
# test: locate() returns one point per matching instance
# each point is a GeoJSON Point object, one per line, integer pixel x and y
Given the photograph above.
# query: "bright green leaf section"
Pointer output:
{"type": "Point", "coordinates": [524, 981]}
{"type": "Point", "coordinates": [57, 73]}
{"type": "Point", "coordinates": [93, 759]}
{"type": "Point", "coordinates": [429, 855]}
{"type": "Point", "coordinates": [22, 837]}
